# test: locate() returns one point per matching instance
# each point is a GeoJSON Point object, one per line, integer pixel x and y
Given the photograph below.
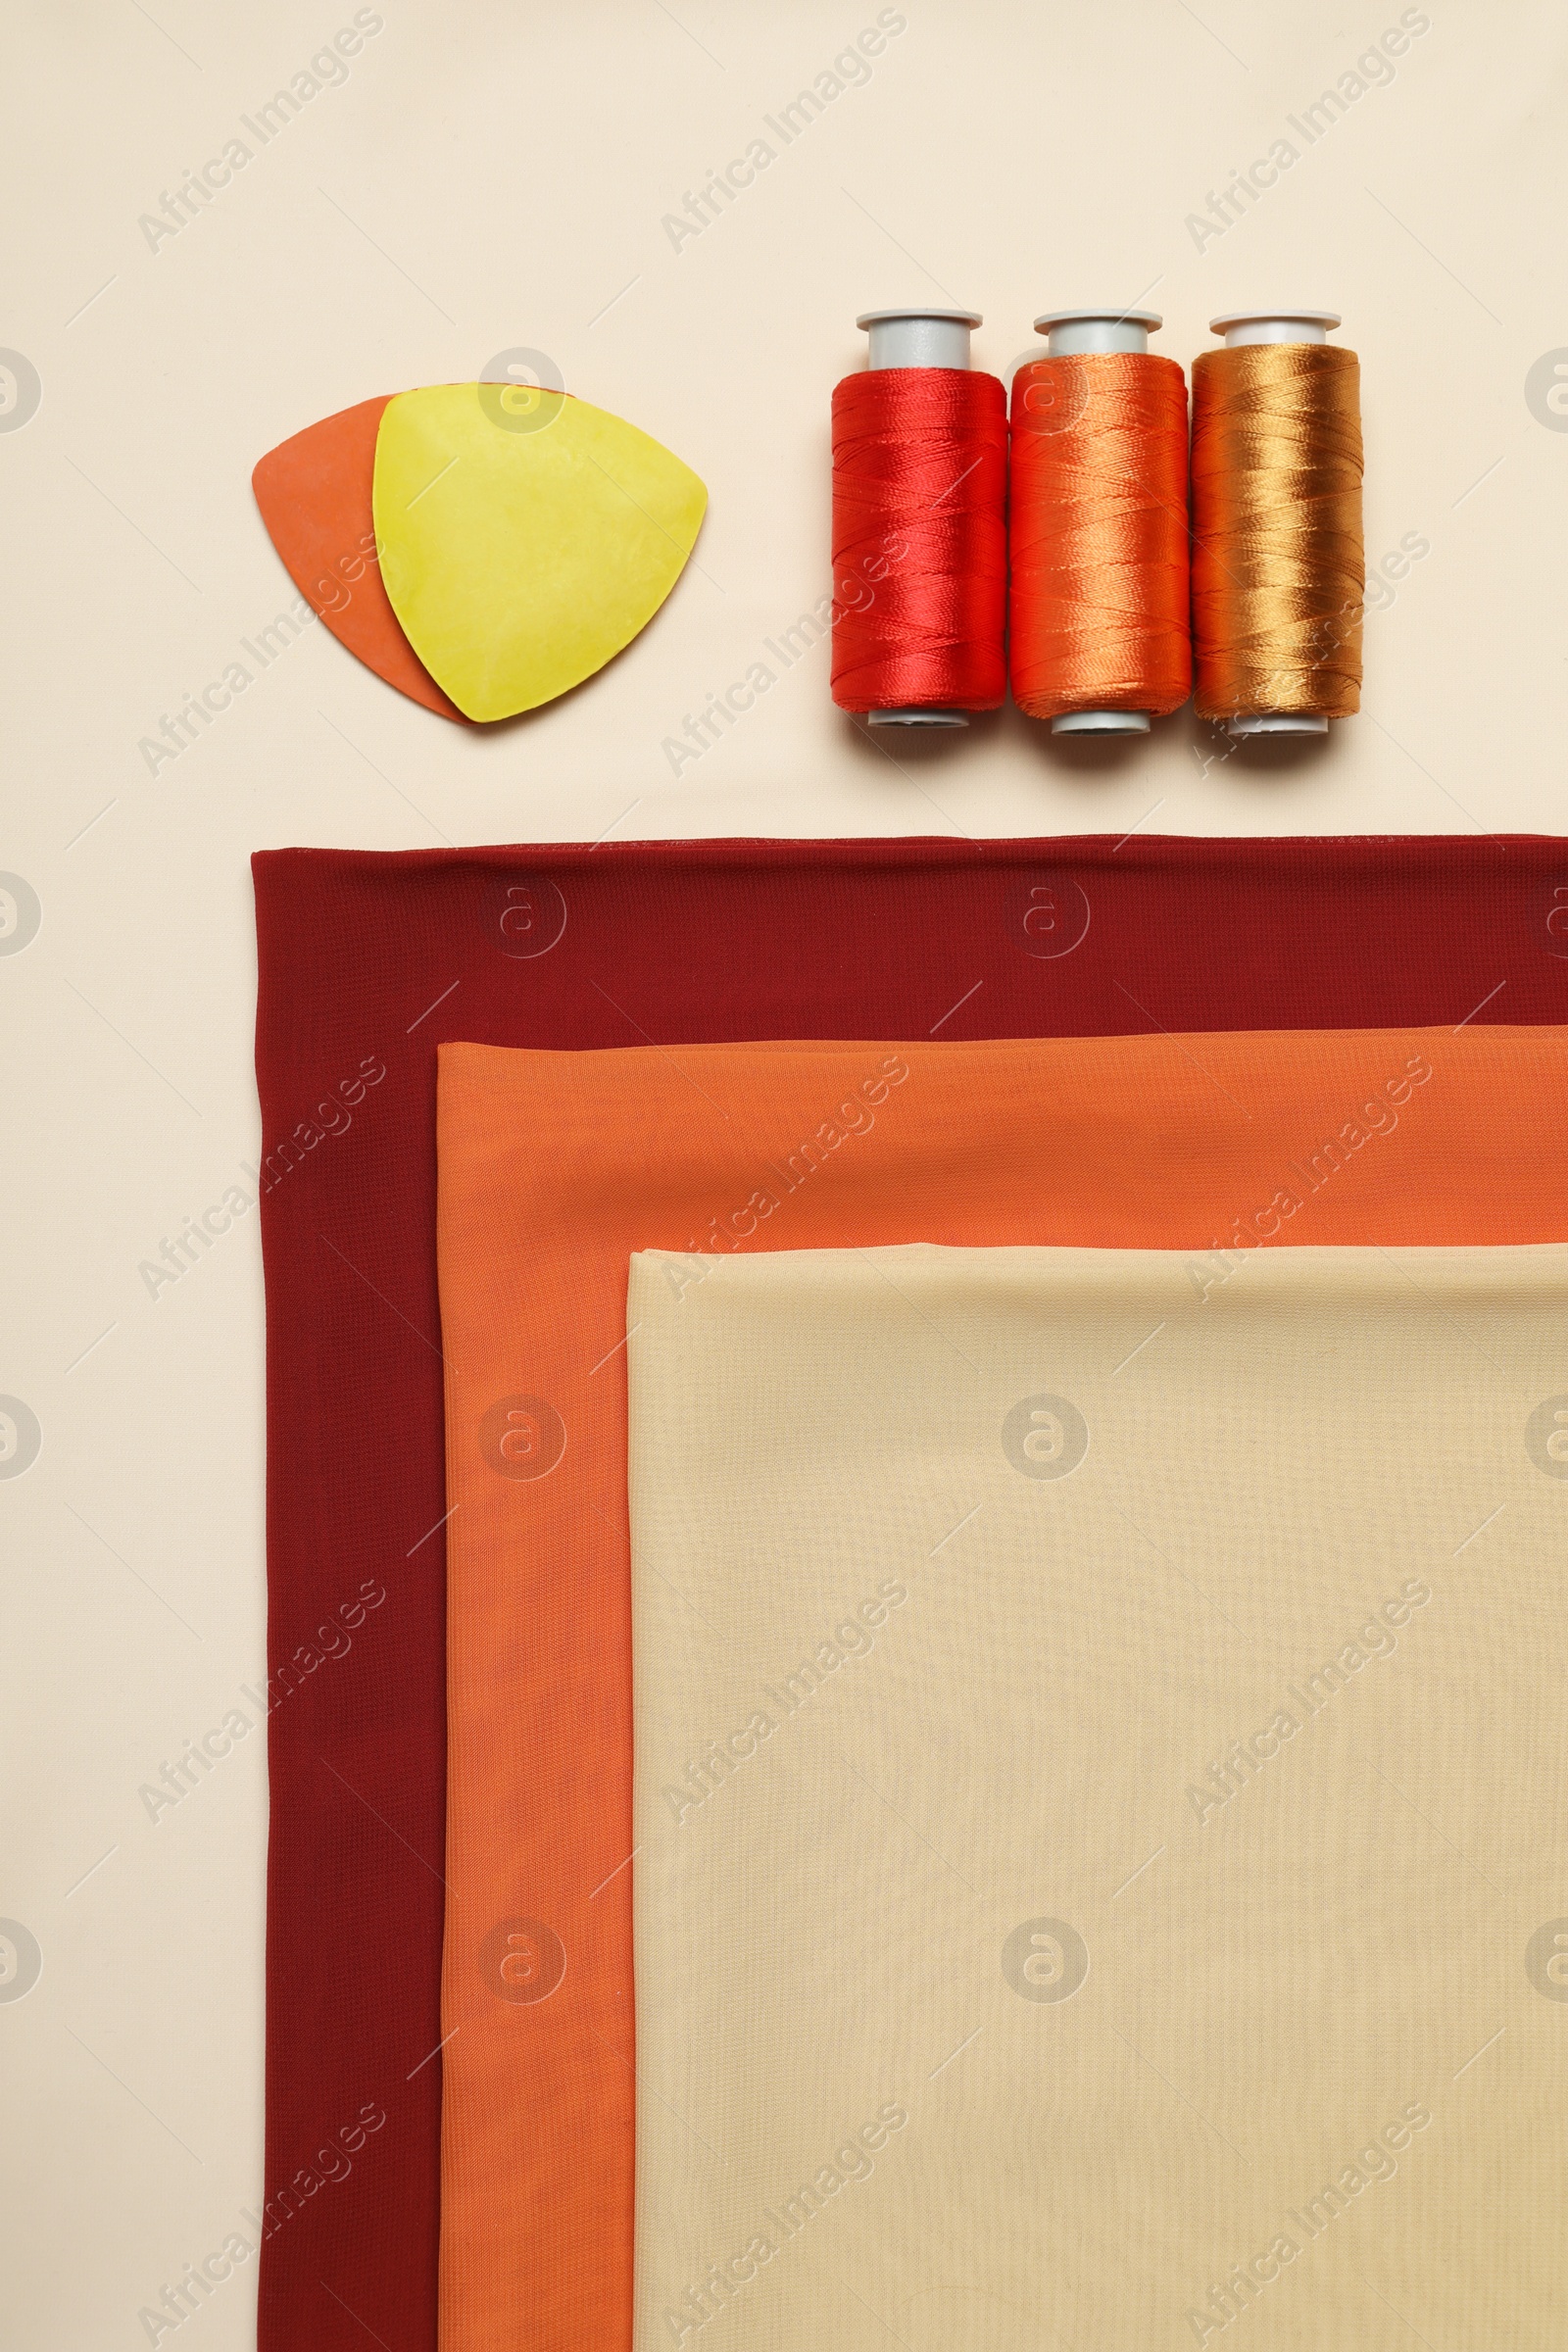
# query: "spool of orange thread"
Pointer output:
{"type": "Point", "coordinates": [1279, 572]}
{"type": "Point", "coordinates": [919, 525]}
{"type": "Point", "coordinates": [1098, 596]}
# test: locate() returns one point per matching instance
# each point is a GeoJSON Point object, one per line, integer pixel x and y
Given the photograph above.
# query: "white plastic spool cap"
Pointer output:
{"type": "Point", "coordinates": [1274, 327]}
{"type": "Point", "coordinates": [934, 336]}
{"type": "Point", "coordinates": [1068, 333]}
{"type": "Point", "coordinates": [1112, 329]}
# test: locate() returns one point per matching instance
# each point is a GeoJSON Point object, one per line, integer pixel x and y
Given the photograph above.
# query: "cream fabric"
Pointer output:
{"type": "Point", "coordinates": [1100, 1800]}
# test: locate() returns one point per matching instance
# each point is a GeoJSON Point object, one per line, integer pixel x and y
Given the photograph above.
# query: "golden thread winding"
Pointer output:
{"type": "Point", "coordinates": [1279, 570]}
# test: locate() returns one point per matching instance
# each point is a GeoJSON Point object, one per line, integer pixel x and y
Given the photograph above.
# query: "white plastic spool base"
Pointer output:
{"type": "Point", "coordinates": [917, 718]}
{"type": "Point", "coordinates": [1274, 327]}
{"type": "Point", "coordinates": [1101, 723]}
{"type": "Point", "coordinates": [936, 337]}
{"type": "Point", "coordinates": [1068, 333]}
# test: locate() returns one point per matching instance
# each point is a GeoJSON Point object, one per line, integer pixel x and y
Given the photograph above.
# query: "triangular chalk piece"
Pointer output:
{"type": "Point", "coordinates": [526, 537]}
{"type": "Point", "coordinates": [314, 492]}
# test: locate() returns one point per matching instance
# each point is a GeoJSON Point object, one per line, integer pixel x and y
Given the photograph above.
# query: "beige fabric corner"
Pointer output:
{"type": "Point", "coordinates": [1101, 1794]}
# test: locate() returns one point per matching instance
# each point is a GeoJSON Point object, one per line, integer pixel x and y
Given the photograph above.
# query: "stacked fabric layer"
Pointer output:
{"type": "Point", "coordinates": [1375, 1110]}
{"type": "Point", "coordinates": [1098, 1762]}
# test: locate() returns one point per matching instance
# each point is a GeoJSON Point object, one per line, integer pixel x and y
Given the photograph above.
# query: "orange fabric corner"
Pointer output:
{"type": "Point", "coordinates": [554, 1168]}
{"type": "Point", "coordinates": [314, 492]}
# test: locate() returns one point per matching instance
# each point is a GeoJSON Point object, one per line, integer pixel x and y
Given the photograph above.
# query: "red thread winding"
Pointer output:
{"type": "Point", "coordinates": [919, 540]}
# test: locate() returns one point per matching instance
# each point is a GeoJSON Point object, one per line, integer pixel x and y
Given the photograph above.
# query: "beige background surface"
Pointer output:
{"type": "Point", "coordinates": [489, 177]}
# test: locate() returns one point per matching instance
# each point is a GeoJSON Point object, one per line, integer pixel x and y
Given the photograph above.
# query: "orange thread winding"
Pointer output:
{"type": "Point", "coordinates": [1279, 570]}
{"type": "Point", "coordinates": [1098, 597]}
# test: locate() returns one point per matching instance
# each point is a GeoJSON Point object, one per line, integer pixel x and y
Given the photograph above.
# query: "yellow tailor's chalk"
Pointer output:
{"type": "Point", "coordinates": [525, 537]}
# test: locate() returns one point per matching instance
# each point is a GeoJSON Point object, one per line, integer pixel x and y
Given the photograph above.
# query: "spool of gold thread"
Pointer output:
{"type": "Point", "coordinates": [1279, 570]}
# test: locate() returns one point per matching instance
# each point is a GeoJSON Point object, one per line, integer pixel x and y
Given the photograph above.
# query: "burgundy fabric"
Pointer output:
{"type": "Point", "coordinates": [367, 963]}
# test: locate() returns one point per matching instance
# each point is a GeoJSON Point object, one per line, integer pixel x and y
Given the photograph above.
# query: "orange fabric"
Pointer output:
{"type": "Point", "coordinates": [554, 1168]}
{"type": "Point", "coordinates": [313, 491]}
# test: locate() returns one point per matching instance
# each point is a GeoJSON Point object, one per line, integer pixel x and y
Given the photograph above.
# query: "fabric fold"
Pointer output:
{"type": "Point", "coordinates": [554, 1169]}
{"type": "Point", "coordinates": [1098, 1844]}
{"type": "Point", "coordinates": [366, 961]}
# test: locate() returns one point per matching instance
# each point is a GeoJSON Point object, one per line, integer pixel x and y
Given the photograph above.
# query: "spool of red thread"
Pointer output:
{"type": "Point", "coordinates": [919, 525]}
